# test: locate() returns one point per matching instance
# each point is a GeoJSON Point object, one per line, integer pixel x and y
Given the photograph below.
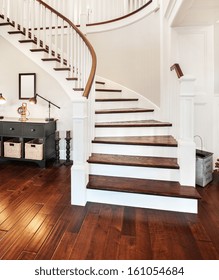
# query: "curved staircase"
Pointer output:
{"type": "Point", "coordinates": [134, 159]}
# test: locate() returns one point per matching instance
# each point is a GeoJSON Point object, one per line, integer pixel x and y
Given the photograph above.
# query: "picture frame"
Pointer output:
{"type": "Point", "coordinates": [27, 85]}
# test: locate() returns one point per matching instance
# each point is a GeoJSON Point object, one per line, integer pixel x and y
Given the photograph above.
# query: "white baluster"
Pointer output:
{"type": "Point", "coordinates": [67, 46]}
{"type": "Point", "coordinates": [62, 42]}
{"type": "Point", "coordinates": [71, 56]}
{"type": "Point", "coordinates": [56, 36]}
{"type": "Point", "coordinates": [26, 19]}
{"type": "Point", "coordinates": [43, 27]}
{"type": "Point", "coordinates": [32, 19]}
{"type": "Point", "coordinates": [39, 17]}
{"type": "Point", "coordinates": [18, 8]}
{"type": "Point", "coordinates": [50, 21]}
{"type": "Point", "coordinates": [1, 7]}
{"type": "Point", "coordinates": [74, 53]}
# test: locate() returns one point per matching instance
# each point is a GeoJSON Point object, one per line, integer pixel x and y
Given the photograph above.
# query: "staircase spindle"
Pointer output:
{"type": "Point", "coordinates": [62, 43]}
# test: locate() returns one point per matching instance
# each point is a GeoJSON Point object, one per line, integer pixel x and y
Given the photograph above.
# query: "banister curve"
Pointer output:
{"type": "Point", "coordinates": [122, 17]}
{"type": "Point", "coordinates": [88, 44]}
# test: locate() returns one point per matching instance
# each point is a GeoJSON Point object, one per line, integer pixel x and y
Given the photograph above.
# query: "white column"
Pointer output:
{"type": "Point", "coordinates": [79, 171]}
{"type": "Point", "coordinates": [186, 156]}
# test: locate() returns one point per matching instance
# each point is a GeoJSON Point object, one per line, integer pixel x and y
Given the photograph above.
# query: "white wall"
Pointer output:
{"type": "Point", "coordinates": [216, 58]}
{"type": "Point", "coordinates": [130, 56]}
{"type": "Point", "coordinates": [14, 62]}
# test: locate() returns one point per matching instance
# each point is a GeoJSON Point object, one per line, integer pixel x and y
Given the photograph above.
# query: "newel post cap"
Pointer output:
{"type": "Point", "coordinates": [187, 86]}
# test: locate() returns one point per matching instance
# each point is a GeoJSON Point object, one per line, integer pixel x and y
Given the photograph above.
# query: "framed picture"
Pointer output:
{"type": "Point", "coordinates": [27, 85]}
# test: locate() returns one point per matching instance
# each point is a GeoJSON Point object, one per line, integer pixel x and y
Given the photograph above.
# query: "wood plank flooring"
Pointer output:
{"type": "Point", "coordinates": [37, 221]}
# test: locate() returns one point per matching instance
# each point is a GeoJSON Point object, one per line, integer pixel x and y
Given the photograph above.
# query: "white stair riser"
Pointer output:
{"type": "Point", "coordinates": [131, 131]}
{"type": "Point", "coordinates": [134, 172]}
{"type": "Point", "coordinates": [183, 205]}
{"type": "Point", "coordinates": [51, 64]}
{"type": "Point", "coordinates": [103, 94]}
{"type": "Point", "coordinates": [124, 117]}
{"type": "Point", "coordinates": [135, 150]}
{"type": "Point", "coordinates": [115, 105]}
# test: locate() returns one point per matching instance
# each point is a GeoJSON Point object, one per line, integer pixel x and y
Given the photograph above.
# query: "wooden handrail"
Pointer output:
{"type": "Point", "coordinates": [88, 44]}
{"type": "Point", "coordinates": [123, 17]}
{"type": "Point", "coordinates": [178, 70]}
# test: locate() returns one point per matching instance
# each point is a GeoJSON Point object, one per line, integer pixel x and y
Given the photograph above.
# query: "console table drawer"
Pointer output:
{"type": "Point", "coordinates": [12, 129]}
{"type": "Point", "coordinates": [33, 130]}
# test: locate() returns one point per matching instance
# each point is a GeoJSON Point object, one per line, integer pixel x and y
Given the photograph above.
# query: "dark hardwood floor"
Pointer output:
{"type": "Point", "coordinates": [37, 221]}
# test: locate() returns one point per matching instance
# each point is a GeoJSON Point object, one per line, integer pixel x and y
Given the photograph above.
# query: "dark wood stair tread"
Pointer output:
{"type": "Point", "coordinates": [164, 140]}
{"type": "Point", "coordinates": [123, 110]}
{"type": "Point", "coordinates": [108, 90]}
{"type": "Point", "coordinates": [16, 32]}
{"type": "Point", "coordinates": [115, 99]}
{"type": "Point", "coordinates": [51, 59]}
{"type": "Point", "coordinates": [140, 161]}
{"type": "Point", "coordinates": [6, 23]}
{"type": "Point", "coordinates": [26, 41]}
{"type": "Point", "coordinates": [142, 186]}
{"type": "Point", "coordinates": [142, 123]}
{"type": "Point", "coordinates": [62, 68]}
{"type": "Point", "coordinates": [100, 83]}
{"type": "Point", "coordinates": [78, 89]}
{"type": "Point", "coordinates": [39, 50]}
{"type": "Point", "coordinates": [72, 79]}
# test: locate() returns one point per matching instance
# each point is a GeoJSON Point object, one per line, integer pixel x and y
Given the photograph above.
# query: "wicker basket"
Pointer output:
{"type": "Point", "coordinates": [12, 148]}
{"type": "Point", "coordinates": [34, 149]}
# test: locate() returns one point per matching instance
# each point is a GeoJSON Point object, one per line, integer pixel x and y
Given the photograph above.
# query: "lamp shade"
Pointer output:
{"type": "Point", "coordinates": [2, 99]}
{"type": "Point", "coordinates": [33, 100]}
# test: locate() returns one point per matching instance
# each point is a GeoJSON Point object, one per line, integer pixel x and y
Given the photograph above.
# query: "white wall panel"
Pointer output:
{"type": "Point", "coordinates": [196, 57]}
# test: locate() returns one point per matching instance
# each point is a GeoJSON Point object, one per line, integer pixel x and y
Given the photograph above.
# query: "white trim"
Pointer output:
{"type": "Point", "coordinates": [144, 201]}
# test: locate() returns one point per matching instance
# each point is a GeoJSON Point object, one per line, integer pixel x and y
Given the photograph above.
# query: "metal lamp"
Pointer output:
{"type": "Point", "coordinates": [33, 100]}
{"type": "Point", "coordinates": [2, 101]}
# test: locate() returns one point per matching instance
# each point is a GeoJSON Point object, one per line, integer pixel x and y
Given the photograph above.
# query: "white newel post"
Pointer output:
{"type": "Point", "coordinates": [79, 171]}
{"type": "Point", "coordinates": [186, 143]}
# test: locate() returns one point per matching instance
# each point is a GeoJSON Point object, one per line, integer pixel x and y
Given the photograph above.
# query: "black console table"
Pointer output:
{"type": "Point", "coordinates": [32, 130]}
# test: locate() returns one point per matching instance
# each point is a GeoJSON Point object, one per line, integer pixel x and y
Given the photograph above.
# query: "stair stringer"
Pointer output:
{"type": "Point", "coordinates": [128, 93]}
{"type": "Point", "coordinates": [24, 48]}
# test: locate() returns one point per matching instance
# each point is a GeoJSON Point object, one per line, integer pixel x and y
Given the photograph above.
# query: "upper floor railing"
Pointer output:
{"type": "Point", "coordinates": [97, 11]}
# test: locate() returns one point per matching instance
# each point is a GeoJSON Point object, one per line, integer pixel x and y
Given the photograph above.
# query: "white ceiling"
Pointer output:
{"type": "Point", "coordinates": [198, 12]}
